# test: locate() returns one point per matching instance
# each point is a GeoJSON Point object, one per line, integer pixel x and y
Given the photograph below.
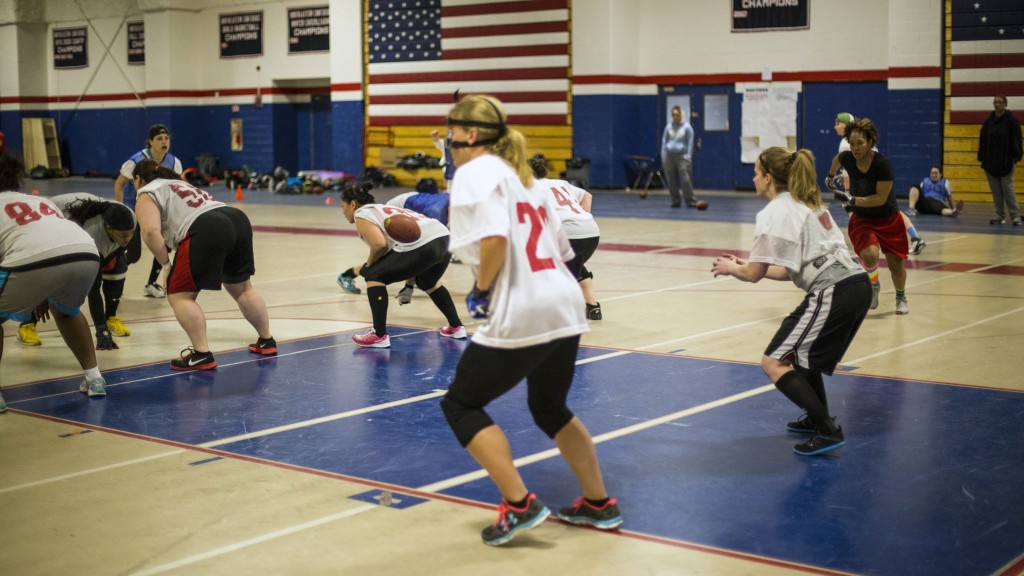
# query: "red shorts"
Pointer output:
{"type": "Point", "coordinates": [889, 233]}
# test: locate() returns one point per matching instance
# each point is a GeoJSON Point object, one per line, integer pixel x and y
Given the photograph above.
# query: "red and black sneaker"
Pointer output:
{"type": "Point", "coordinates": [264, 346]}
{"type": "Point", "coordinates": [193, 360]}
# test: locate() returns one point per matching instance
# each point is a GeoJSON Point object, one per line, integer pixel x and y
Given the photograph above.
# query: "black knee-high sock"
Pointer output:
{"type": "Point", "coordinates": [112, 291]}
{"type": "Point", "coordinates": [378, 297]}
{"type": "Point", "coordinates": [154, 272]}
{"type": "Point", "coordinates": [799, 391]}
{"type": "Point", "coordinates": [813, 378]}
{"type": "Point", "coordinates": [443, 300]}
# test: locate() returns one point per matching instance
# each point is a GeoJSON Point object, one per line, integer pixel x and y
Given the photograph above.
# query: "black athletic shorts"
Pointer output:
{"type": "Point", "coordinates": [426, 263]}
{"type": "Point", "coordinates": [217, 250]}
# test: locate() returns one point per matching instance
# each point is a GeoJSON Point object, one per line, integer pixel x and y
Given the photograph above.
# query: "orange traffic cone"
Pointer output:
{"type": "Point", "coordinates": [35, 192]}
{"type": "Point", "coordinates": [238, 193]}
{"type": "Point", "coordinates": [329, 200]}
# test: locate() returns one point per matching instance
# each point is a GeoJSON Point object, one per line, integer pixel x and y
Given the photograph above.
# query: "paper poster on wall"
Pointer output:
{"type": "Point", "coordinates": [71, 47]}
{"type": "Point", "coordinates": [769, 117]}
{"type": "Point", "coordinates": [309, 29]}
{"type": "Point", "coordinates": [236, 134]}
{"type": "Point", "coordinates": [241, 34]}
{"type": "Point", "coordinates": [136, 42]}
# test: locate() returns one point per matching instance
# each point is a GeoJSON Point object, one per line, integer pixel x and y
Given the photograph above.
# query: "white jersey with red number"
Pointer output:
{"type": "Point", "coordinates": [578, 223]}
{"type": "Point", "coordinates": [33, 229]}
{"type": "Point", "coordinates": [807, 243]}
{"type": "Point", "coordinates": [430, 229]}
{"type": "Point", "coordinates": [180, 204]}
{"type": "Point", "coordinates": [535, 298]}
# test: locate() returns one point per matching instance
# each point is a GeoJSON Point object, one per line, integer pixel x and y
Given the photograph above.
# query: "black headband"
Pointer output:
{"type": "Point", "coordinates": [499, 126]}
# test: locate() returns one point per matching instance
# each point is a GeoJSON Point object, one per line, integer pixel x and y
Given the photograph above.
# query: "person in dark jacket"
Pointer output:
{"type": "Point", "coordinates": [999, 151]}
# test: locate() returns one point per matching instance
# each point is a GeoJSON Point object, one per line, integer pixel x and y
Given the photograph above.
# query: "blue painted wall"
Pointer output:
{"type": "Point", "coordinates": [607, 128]}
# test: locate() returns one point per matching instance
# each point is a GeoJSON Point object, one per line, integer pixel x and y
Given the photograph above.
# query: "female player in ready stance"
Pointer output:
{"type": "Point", "coordinates": [795, 238]}
{"type": "Point", "coordinates": [506, 228]}
{"type": "Point", "coordinates": [390, 260]}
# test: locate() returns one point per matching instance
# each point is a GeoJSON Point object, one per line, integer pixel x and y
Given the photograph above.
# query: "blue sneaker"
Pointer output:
{"type": "Point", "coordinates": [583, 513]}
{"type": "Point", "coordinates": [511, 521]}
{"type": "Point", "coordinates": [821, 443]}
{"type": "Point", "coordinates": [94, 387]}
{"type": "Point", "coordinates": [348, 284]}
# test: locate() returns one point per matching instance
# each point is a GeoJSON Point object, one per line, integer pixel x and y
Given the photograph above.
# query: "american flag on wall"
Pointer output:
{"type": "Point", "coordinates": [422, 51]}
{"type": "Point", "coordinates": [987, 57]}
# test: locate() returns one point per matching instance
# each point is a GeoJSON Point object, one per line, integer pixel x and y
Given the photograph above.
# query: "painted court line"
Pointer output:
{"type": "Point", "coordinates": [322, 419]}
{"type": "Point", "coordinates": [253, 541]}
{"type": "Point", "coordinates": [90, 471]}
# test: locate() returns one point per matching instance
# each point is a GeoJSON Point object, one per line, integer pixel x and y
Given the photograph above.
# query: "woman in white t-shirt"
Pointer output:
{"type": "Point", "coordinates": [391, 260]}
{"type": "Point", "coordinates": [533, 317]}
{"type": "Point", "coordinates": [573, 206]}
{"type": "Point", "coordinates": [795, 238]}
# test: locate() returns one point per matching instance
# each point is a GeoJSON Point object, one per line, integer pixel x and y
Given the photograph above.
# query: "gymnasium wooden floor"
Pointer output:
{"type": "Point", "coordinates": [336, 460]}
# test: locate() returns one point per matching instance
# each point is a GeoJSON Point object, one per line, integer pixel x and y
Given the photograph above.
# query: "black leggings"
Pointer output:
{"type": "Point", "coordinates": [485, 373]}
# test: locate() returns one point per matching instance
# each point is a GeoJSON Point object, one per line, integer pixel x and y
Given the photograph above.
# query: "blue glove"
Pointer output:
{"type": "Point", "coordinates": [479, 303]}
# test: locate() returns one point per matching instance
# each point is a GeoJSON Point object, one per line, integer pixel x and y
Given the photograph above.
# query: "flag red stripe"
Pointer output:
{"type": "Point", "coordinates": [505, 29]}
{"type": "Point", "coordinates": [986, 88]}
{"type": "Point", "coordinates": [506, 52]}
{"type": "Point", "coordinates": [1012, 60]}
{"type": "Point", "coordinates": [447, 98]}
{"type": "Point", "coordinates": [472, 75]}
{"type": "Point", "coordinates": [503, 8]}
{"type": "Point", "coordinates": [976, 116]}
{"type": "Point", "coordinates": [546, 119]}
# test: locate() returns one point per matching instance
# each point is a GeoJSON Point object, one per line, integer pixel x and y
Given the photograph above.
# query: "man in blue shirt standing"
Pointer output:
{"type": "Point", "coordinates": [676, 156]}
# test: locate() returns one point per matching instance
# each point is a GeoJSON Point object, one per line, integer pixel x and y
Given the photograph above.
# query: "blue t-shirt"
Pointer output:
{"type": "Point", "coordinates": [130, 195]}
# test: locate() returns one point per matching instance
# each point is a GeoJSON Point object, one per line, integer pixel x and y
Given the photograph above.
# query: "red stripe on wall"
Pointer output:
{"type": "Point", "coordinates": [805, 76]}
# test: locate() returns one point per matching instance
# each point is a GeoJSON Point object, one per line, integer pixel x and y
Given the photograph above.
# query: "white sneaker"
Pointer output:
{"type": "Point", "coordinates": [453, 332]}
{"type": "Point", "coordinates": [153, 291]}
{"type": "Point", "coordinates": [875, 289]}
{"type": "Point", "coordinates": [902, 307]}
{"type": "Point", "coordinates": [917, 246]}
{"type": "Point", "coordinates": [94, 387]}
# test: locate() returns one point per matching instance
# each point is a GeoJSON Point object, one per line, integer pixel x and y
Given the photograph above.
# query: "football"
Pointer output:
{"type": "Point", "coordinates": [702, 204]}
{"type": "Point", "coordinates": [402, 228]}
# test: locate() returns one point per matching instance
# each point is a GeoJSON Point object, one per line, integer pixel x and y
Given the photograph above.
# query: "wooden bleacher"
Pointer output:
{"type": "Point", "coordinates": [554, 142]}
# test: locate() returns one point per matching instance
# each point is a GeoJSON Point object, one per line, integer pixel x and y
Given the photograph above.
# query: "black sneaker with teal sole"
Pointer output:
{"type": "Point", "coordinates": [821, 443]}
{"type": "Point", "coordinates": [583, 513]}
{"type": "Point", "coordinates": [512, 521]}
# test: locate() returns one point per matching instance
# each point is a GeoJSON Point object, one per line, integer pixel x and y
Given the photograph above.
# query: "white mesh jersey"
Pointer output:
{"type": "Point", "coordinates": [535, 298]}
{"type": "Point", "coordinates": [33, 229]}
{"type": "Point", "coordinates": [180, 204]}
{"type": "Point", "coordinates": [94, 226]}
{"type": "Point", "coordinates": [430, 229]}
{"type": "Point", "coordinates": [803, 241]}
{"type": "Point", "coordinates": [578, 223]}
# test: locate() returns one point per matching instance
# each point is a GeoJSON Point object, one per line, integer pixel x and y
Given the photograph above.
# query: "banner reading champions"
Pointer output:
{"type": "Point", "coordinates": [763, 15]}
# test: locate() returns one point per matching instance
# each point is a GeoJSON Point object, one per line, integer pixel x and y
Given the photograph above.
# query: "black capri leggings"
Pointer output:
{"type": "Point", "coordinates": [484, 374]}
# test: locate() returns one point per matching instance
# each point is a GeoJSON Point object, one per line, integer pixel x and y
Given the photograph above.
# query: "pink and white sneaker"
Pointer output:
{"type": "Point", "coordinates": [457, 332]}
{"type": "Point", "coordinates": [371, 340]}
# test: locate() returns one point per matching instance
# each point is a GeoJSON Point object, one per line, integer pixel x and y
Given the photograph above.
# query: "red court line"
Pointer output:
{"type": "Point", "coordinates": [1006, 270]}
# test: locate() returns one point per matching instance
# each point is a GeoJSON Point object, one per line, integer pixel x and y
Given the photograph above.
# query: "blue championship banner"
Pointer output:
{"type": "Point", "coordinates": [70, 47]}
{"type": "Point", "coordinates": [758, 15]}
{"type": "Point", "coordinates": [309, 29]}
{"type": "Point", "coordinates": [241, 34]}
